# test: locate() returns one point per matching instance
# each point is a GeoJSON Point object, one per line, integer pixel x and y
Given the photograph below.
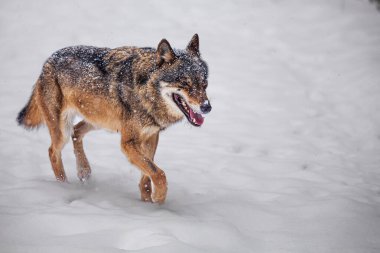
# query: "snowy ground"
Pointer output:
{"type": "Point", "coordinates": [288, 160]}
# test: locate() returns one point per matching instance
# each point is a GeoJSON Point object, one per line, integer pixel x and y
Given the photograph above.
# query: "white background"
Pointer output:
{"type": "Point", "coordinates": [287, 161]}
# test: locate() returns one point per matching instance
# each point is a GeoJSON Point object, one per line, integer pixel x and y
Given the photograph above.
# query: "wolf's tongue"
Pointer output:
{"type": "Point", "coordinates": [196, 117]}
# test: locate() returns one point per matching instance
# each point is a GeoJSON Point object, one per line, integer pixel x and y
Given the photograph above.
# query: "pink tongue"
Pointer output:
{"type": "Point", "coordinates": [196, 117]}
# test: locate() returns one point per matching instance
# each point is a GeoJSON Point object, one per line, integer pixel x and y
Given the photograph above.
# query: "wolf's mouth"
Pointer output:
{"type": "Point", "coordinates": [194, 118]}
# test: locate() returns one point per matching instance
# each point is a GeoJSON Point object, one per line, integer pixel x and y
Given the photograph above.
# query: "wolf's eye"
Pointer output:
{"type": "Point", "coordinates": [183, 84]}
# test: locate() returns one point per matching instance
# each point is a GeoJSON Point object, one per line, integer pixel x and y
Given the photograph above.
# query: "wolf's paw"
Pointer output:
{"type": "Point", "coordinates": [146, 192]}
{"type": "Point", "coordinates": [146, 198]}
{"type": "Point", "coordinates": [159, 196]}
{"type": "Point", "coordinates": [84, 174]}
{"type": "Point", "coordinates": [61, 178]}
{"type": "Point", "coordinates": [160, 199]}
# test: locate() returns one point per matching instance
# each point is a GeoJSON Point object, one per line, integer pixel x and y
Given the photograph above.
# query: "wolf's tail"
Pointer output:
{"type": "Point", "coordinates": [30, 116]}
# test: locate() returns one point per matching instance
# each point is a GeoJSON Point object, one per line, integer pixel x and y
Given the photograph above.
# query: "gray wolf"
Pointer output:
{"type": "Point", "coordinates": [137, 92]}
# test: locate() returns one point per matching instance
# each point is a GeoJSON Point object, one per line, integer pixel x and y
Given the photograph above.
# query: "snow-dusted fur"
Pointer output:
{"type": "Point", "coordinates": [120, 90]}
{"type": "Point", "coordinates": [287, 162]}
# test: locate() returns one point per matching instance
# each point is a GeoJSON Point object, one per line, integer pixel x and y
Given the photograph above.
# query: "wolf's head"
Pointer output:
{"type": "Point", "coordinates": [183, 81]}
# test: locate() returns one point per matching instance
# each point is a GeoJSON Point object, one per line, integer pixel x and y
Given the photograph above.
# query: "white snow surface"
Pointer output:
{"type": "Point", "coordinates": [287, 161]}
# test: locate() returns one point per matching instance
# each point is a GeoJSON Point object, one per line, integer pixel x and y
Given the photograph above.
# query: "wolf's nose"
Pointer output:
{"type": "Point", "coordinates": [206, 107]}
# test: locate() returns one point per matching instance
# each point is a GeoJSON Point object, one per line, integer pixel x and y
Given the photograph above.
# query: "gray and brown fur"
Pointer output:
{"type": "Point", "coordinates": [118, 89]}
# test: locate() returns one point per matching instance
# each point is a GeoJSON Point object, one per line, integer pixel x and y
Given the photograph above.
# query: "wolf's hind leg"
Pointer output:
{"type": "Point", "coordinates": [83, 167]}
{"type": "Point", "coordinates": [50, 103]}
{"type": "Point", "coordinates": [55, 156]}
{"type": "Point", "coordinates": [60, 133]}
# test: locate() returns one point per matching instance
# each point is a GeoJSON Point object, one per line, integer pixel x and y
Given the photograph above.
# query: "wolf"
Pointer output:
{"type": "Point", "coordinates": [135, 91]}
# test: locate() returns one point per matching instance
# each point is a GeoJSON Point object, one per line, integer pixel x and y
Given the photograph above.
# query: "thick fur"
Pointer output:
{"type": "Point", "coordinates": [30, 116]}
{"type": "Point", "coordinates": [126, 90]}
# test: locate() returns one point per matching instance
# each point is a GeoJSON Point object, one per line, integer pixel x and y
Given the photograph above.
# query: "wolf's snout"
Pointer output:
{"type": "Point", "coordinates": [206, 107]}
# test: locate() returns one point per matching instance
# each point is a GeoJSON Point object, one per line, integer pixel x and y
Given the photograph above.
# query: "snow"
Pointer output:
{"type": "Point", "coordinates": [287, 161]}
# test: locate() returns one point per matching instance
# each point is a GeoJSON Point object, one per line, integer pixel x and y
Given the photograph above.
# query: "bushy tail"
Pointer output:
{"type": "Point", "coordinates": [30, 116]}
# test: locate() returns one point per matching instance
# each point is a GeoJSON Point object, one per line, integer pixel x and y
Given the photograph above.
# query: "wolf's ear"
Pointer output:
{"type": "Point", "coordinates": [193, 46]}
{"type": "Point", "coordinates": [165, 52]}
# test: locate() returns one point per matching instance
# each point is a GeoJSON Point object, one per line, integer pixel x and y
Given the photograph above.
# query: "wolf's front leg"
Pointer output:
{"type": "Point", "coordinates": [145, 186]}
{"type": "Point", "coordinates": [149, 147]}
{"type": "Point", "coordinates": [132, 147]}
